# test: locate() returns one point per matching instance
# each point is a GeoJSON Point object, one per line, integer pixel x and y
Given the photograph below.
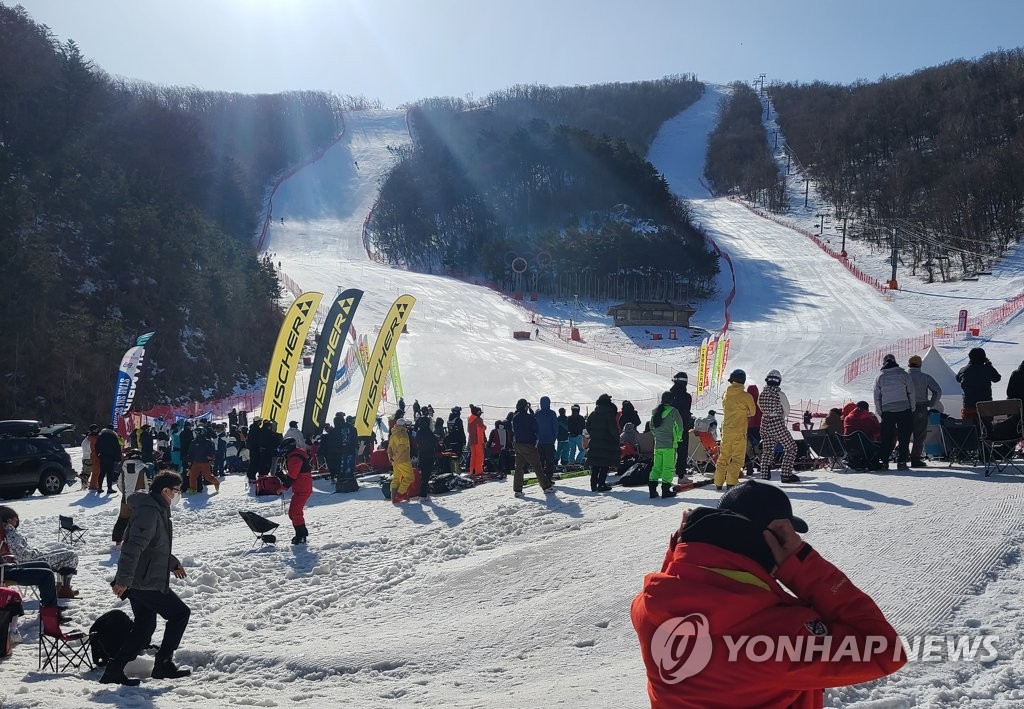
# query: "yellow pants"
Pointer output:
{"type": "Point", "coordinates": [402, 479]}
{"type": "Point", "coordinates": [730, 458]}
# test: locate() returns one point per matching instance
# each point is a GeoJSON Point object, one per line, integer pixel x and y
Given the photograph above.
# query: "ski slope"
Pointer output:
{"type": "Point", "coordinates": [480, 600]}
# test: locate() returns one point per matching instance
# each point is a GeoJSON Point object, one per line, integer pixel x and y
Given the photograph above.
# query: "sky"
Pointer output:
{"type": "Point", "coordinates": [403, 50]}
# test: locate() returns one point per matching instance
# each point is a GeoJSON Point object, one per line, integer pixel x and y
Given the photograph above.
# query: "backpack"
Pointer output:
{"type": "Point", "coordinates": [638, 474]}
{"type": "Point", "coordinates": [107, 635]}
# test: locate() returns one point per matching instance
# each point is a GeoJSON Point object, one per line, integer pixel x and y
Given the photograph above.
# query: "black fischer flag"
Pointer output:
{"type": "Point", "coordinates": [325, 363]}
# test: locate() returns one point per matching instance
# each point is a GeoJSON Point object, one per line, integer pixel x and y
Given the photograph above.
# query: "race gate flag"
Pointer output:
{"type": "Point", "coordinates": [127, 378]}
{"type": "Point", "coordinates": [286, 359]}
{"type": "Point", "coordinates": [379, 363]}
{"type": "Point", "coordinates": [719, 350]}
{"type": "Point", "coordinates": [709, 362]}
{"type": "Point", "coordinates": [327, 359]}
{"type": "Point", "coordinates": [701, 356]}
{"type": "Point", "coordinates": [725, 354]}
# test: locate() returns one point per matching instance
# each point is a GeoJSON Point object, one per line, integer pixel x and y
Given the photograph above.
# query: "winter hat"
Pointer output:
{"type": "Point", "coordinates": [401, 422]}
{"type": "Point", "coordinates": [774, 378]}
{"type": "Point", "coordinates": [680, 377]}
{"type": "Point", "coordinates": [914, 361]}
{"type": "Point", "coordinates": [761, 503]}
{"type": "Point", "coordinates": [575, 407]}
{"type": "Point", "coordinates": [522, 405]}
{"type": "Point", "coordinates": [738, 376]}
{"type": "Point", "coordinates": [889, 361]}
{"type": "Point", "coordinates": [976, 356]}
{"type": "Point", "coordinates": [862, 405]}
{"type": "Point", "coordinates": [604, 399]}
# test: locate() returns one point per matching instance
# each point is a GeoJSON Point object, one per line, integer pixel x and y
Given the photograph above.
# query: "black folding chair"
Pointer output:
{"type": "Point", "coordinates": [826, 446]}
{"type": "Point", "coordinates": [1001, 428]}
{"type": "Point", "coordinates": [960, 441]}
{"type": "Point", "coordinates": [68, 531]}
{"type": "Point", "coordinates": [260, 526]}
{"type": "Point", "coordinates": [861, 451]}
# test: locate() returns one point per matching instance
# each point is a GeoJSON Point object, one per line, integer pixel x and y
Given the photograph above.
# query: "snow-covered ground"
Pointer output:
{"type": "Point", "coordinates": [481, 600]}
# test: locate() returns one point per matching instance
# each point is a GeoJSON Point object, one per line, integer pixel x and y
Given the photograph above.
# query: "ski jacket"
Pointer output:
{"type": "Point", "coordinates": [524, 428]}
{"type": "Point", "coordinates": [737, 408]}
{"type": "Point", "coordinates": [1014, 387]}
{"type": "Point", "coordinates": [201, 451]}
{"type": "Point", "coordinates": [302, 482]}
{"type": "Point", "coordinates": [924, 383]}
{"type": "Point", "coordinates": [976, 380]}
{"type": "Point", "coordinates": [670, 431]}
{"type": "Point", "coordinates": [398, 445]}
{"type": "Point", "coordinates": [296, 435]}
{"type": "Point", "coordinates": [733, 596]}
{"type": "Point", "coordinates": [133, 477]}
{"type": "Point", "coordinates": [773, 403]}
{"type": "Point", "coordinates": [107, 445]}
{"type": "Point", "coordinates": [603, 450]}
{"type": "Point", "coordinates": [146, 446]}
{"type": "Point", "coordinates": [476, 430]}
{"type": "Point", "coordinates": [456, 437]}
{"type": "Point", "coordinates": [894, 391]}
{"type": "Point", "coordinates": [833, 422]}
{"type": "Point", "coordinates": [576, 424]}
{"type": "Point", "coordinates": [682, 402]}
{"type": "Point", "coordinates": [146, 560]}
{"type": "Point", "coordinates": [628, 415]}
{"type": "Point", "coordinates": [185, 438]}
{"type": "Point", "coordinates": [547, 422]}
{"type": "Point", "coordinates": [87, 444]}
{"type": "Point", "coordinates": [864, 421]}
{"type": "Point", "coordinates": [629, 435]}
{"type": "Point", "coordinates": [426, 446]}
{"type": "Point", "coordinates": [496, 440]}
{"type": "Point", "coordinates": [755, 420]}
{"type": "Point", "coordinates": [563, 427]}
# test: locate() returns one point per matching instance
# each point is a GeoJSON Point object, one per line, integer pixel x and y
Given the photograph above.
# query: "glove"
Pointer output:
{"type": "Point", "coordinates": [285, 480]}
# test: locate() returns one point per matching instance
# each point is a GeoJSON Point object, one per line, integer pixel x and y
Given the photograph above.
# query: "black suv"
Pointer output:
{"type": "Point", "coordinates": [32, 458]}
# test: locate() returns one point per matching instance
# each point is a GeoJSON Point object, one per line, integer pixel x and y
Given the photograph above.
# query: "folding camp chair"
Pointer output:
{"type": "Point", "coordinates": [260, 526]}
{"type": "Point", "coordinates": [861, 451]}
{"type": "Point", "coordinates": [699, 459]}
{"type": "Point", "coordinates": [826, 446]}
{"type": "Point", "coordinates": [68, 531]}
{"type": "Point", "coordinates": [72, 647]}
{"type": "Point", "coordinates": [1000, 428]}
{"type": "Point", "coordinates": [960, 441]}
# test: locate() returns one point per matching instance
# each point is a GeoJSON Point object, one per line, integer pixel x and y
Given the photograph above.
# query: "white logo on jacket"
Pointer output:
{"type": "Point", "coordinates": [681, 647]}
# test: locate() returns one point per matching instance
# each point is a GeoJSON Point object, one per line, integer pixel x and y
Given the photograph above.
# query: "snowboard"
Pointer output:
{"type": "Point", "coordinates": [683, 487]}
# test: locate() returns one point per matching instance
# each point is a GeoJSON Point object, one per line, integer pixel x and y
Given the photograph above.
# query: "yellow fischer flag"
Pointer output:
{"type": "Point", "coordinates": [379, 363]}
{"type": "Point", "coordinates": [285, 362]}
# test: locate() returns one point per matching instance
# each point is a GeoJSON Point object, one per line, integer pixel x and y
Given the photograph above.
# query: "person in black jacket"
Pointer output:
{"type": "Point", "coordinates": [1015, 387]}
{"type": "Point", "coordinates": [146, 443]}
{"type": "Point", "coordinates": [108, 450]}
{"type": "Point", "coordinates": [628, 414]}
{"type": "Point", "coordinates": [455, 440]}
{"type": "Point", "coordinates": [976, 380]}
{"type": "Point", "coordinates": [603, 451]}
{"type": "Point", "coordinates": [426, 450]}
{"type": "Point", "coordinates": [574, 447]}
{"type": "Point", "coordinates": [252, 442]}
{"type": "Point", "coordinates": [682, 402]}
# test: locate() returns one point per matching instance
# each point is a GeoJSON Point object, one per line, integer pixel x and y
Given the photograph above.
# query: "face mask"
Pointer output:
{"type": "Point", "coordinates": [176, 500]}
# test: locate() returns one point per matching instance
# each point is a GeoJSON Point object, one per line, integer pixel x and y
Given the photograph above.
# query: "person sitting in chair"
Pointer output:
{"type": "Point", "coordinates": [61, 560]}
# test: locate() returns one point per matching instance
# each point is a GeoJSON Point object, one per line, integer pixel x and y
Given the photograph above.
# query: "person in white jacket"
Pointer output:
{"type": "Point", "coordinates": [295, 434]}
{"type": "Point", "coordinates": [774, 412]}
{"type": "Point", "coordinates": [895, 399]}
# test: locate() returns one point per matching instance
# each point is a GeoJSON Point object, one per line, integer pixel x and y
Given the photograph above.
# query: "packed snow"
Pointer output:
{"type": "Point", "coordinates": [477, 599]}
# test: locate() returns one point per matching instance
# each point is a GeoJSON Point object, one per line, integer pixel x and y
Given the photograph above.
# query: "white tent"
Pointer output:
{"type": "Point", "coordinates": [952, 395]}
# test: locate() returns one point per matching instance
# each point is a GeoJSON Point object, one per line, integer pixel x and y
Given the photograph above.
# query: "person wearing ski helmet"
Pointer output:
{"type": "Point", "coordinates": [300, 475]}
{"type": "Point", "coordinates": [667, 427]}
{"type": "Point", "coordinates": [682, 402]}
{"type": "Point", "coordinates": [774, 412]}
{"type": "Point", "coordinates": [737, 408]}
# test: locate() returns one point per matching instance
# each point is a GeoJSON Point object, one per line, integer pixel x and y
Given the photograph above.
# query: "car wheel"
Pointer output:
{"type": "Point", "coordinates": [51, 482]}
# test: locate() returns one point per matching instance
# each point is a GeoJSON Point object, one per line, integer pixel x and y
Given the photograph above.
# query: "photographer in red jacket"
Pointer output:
{"type": "Point", "coordinates": [718, 629]}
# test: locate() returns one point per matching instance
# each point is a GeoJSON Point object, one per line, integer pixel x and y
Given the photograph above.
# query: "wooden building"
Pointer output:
{"type": "Point", "coordinates": [651, 313]}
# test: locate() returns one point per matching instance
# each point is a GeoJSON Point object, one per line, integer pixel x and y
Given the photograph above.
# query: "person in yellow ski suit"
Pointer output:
{"type": "Point", "coordinates": [737, 406]}
{"type": "Point", "coordinates": [402, 476]}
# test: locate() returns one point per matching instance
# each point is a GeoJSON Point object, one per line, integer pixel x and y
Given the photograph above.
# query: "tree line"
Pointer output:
{"type": "Point", "coordinates": [739, 160]}
{"type": "Point", "coordinates": [485, 183]}
{"type": "Point", "coordinates": [126, 208]}
{"type": "Point", "coordinates": [936, 156]}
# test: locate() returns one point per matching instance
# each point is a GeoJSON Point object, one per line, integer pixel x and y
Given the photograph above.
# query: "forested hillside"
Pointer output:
{"type": "Point", "coordinates": [739, 159]}
{"type": "Point", "coordinates": [554, 175]}
{"type": "Point", "coordinates": [937, 155]}
{"type": "Point", "coordinates": [130, 208]}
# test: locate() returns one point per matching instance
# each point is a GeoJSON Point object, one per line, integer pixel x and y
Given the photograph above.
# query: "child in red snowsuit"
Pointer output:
{"type": "Point", "coordinates": [297, 461]}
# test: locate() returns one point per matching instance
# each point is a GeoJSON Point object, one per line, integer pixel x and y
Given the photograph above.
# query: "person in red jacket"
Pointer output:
{"type": "Point", "coordinates": [860, 419]}
{"type": "Point", "coordinates": [477, 438]}
{"type": "Point", "coordinates": [300, 474]}
{"type": "Point", "coordinates": [707, 620]}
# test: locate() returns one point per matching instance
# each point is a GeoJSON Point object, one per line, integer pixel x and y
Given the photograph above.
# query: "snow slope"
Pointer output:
{"type": "Point", "coordinates": [480, 600]}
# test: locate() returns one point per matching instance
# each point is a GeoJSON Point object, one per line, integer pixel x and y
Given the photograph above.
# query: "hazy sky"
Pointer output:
{"type": "Point", "coordinates": [402, 50]}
